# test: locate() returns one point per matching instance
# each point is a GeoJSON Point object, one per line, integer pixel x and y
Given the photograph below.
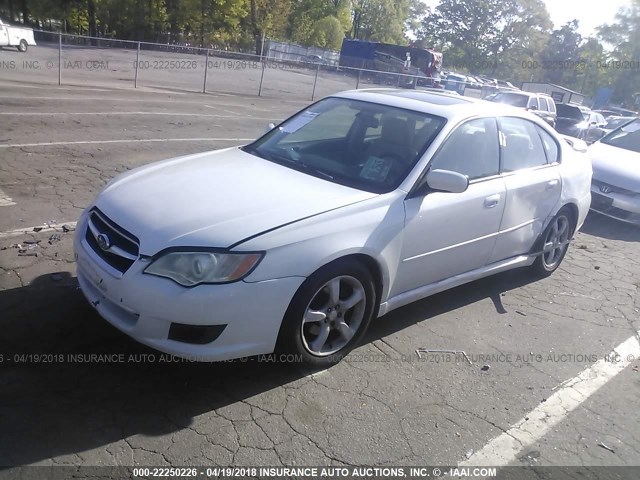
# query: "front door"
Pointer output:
{"type": "Point", "coordinates": [451, 233]}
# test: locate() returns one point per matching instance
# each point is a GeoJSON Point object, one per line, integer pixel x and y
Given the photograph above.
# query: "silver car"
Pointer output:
{"type": "Point", "coordinates": [616, 173]}
{"type": "Point", "coordinates": [359, 204]}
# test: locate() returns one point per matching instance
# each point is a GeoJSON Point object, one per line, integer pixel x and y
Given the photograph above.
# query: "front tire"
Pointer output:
{"type": "Point", "coordinates": [555, 243]}
{"type": "Point", "coordinates": [23, 46]}
{"type": "Point", "coordinates": [329, 314]}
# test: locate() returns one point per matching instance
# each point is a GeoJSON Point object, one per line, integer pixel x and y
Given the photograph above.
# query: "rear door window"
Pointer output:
{"type": "Point", "coordinates": [550, 146]}
{"type": "Point", "coordinates": [544, 104]}
{"type": "Point", "coordinates": [520, 144]}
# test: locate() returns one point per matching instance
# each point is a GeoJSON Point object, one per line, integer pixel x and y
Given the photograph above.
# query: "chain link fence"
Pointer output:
{"type": "Point", "coordinates": [63, 59]}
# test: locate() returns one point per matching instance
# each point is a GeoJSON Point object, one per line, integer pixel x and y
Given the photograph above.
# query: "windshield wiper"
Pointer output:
{"type": "Point", "coordinates": [296, 164]}
{"type": "Point", "coordinates": [274, 157]}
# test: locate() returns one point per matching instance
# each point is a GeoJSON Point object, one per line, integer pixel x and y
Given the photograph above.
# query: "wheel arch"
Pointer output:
{"type": "Point", "coordinates": [372, 266]}
{"type": "Point", "coordinates": [573, 210]}
{"type": "Point", "coordinates": [367, 261]}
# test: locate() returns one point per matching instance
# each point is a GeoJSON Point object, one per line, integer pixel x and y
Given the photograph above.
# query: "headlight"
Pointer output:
{"type": "Point", "coordinates": [193, 268]}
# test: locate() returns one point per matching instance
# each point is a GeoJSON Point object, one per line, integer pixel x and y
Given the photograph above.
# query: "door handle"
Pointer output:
{"type": "Point", "coordinates": [492, 201]}
{"type": "Point", "coordinates": [552, 184]}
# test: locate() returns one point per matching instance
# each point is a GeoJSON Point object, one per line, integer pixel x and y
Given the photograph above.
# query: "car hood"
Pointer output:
{"type": "Point", "coordinates": [570, 120]}
{"type": "Point", "coordinates": [216, 199]}
{"type": "Point", "coordinates": [616, 166]}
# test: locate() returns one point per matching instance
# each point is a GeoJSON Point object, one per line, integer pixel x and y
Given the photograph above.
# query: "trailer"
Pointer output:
{"type": "Point", "coordinates": [420, 65]}
{"type": "Point", "coordinates": [19, 37]}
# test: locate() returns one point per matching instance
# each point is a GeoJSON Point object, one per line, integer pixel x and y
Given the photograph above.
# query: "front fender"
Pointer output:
{"type": "Point", "coordinates": [373, 228]}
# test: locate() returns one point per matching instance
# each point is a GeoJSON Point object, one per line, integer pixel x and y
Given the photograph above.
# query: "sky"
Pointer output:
{"type": "Point", "coordinates": [590, 13]}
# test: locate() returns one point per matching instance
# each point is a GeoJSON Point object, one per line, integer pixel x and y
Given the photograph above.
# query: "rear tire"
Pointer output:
{"type": "Point", "coordinates": [329, 314]}
{"type": "Point", "coordinates": [23, 46]}
{"type": "Point", "coordinates": [555, 243]}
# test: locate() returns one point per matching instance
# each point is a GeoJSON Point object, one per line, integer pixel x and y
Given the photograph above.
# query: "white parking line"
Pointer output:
{"type": "Point", "coordinates": [223, 109]}
{"type": "Point", "coordinates": [170, 114]}
{"type": "Point", "coordinates": [10, 85]}
{"type": "Point", "coordinates": [505, 448]}
{"type": "Point", "coordinates": [5, 200]}
{"type": "Point", "coordinates": [242, 101]}
{"type": "Point", "coordinates": [98, 142]}
{"type": "Point", "coordinates": [48, 227]}
{"type": "Point", "coordinates": [148, 100]}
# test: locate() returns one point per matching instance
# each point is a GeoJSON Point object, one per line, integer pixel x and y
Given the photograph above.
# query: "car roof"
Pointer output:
{"type": "Point", "coordinates": [570, 105]}
{"type": "Point", "coordinates": [440, 104]}
{"type": "Point", "coordinates": [528, 94]}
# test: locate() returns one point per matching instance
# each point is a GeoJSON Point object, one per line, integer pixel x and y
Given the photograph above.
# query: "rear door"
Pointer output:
{"type": "Point", "coordinates": [531, 172]}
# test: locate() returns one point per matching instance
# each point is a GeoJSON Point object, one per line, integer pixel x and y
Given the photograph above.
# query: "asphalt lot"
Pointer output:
{"type": "Point", "coordinates": [81, 66]}
{"type": "Point", "coordinates": [381, 406]}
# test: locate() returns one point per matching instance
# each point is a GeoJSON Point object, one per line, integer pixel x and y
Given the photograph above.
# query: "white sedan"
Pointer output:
{"type": "Point", "coordinates": [357, 205]}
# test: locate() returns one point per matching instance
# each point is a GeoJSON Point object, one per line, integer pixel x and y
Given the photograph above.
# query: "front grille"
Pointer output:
{"type": "Point", "coordinates": [122, 248]}
{"type": "Point", "coordinates": [600, 202]}
{"type": "Point", "coordinates": [610, 188]}
{"type": "Point", "coordinates": [603, 204]}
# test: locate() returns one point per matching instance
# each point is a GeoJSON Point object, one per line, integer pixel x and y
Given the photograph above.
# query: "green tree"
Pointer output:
{"type": "Point", "coordinates": [380, 20]}
{"type": "Point", "coordinates": [562, 52]}
{"type": "Point", "coordinates": [418, 11]}
{"type": "Point", "coordinates": [593, 75]}
{"type": "Point", "coordinates": [211, 22]}
{"type": "Point", "coordinates": [517, 31]}
{"type": "Point", "coordinates": [624, 37]}
{"type": "Point", "coordinates": [268, 18]}
{"type": "Point", "coordinates": [327, 33]}
{"type": "Point", "coordinates": [307, 13]}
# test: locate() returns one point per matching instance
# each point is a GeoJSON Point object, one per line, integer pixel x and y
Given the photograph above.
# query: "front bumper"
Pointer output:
{"type": "Point", "coordinates": [146, 307]}
{"type": "Point", "coordinates": [621, 206]}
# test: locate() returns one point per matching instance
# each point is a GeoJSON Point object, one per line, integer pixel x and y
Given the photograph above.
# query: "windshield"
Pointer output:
{"type": "Point", "coordinates": [627, 137]}
{"type": "Point", "coordinates": [515, 99]}
{"type": "Point", "coordinates": [362, 145]}
{"type": "Point", "coordinates": [614, 123]}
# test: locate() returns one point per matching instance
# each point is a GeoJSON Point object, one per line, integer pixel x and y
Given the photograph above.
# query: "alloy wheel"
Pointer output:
{"type": "Point", "coordinates": [556, 242]}
{"type": "Point", "coordinates": [333, 316]}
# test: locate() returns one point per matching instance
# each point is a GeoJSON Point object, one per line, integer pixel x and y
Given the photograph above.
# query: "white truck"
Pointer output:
{"type": "Point", "coordinates": [19, 37]}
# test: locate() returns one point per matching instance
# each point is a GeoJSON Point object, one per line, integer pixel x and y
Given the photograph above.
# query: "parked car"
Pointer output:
{"type": "Point", "coordinates": [455, 83]}
{"type": "Point", "coordinates": [616, 176]}
{"type": "Point", "coordinates": [623, 112]}
{"type": "Point", "coordinates": [503, 84]}
{"type": "Point", "coordinates": [359, 204]}
{"type": "Point", "coordinates": [611, 123]}
{"type": "Point", "coordinates": [607, 113]}
{"type": "Point", "coordinates": [538, 103]}
{"type": "Point", "coordinates": [19, 37]}
{"type": "Point", "coordinates": [438, 90]}
{"type": "Point", "coordinates": [578, 121]}
{"type": "Point", "coordinates": [473, 82]}
{"type": "Point", "coordinates": [315, 59]}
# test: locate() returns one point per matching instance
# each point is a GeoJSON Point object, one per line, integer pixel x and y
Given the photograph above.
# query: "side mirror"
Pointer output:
{"type": "Point", "coordinates": [447, 181]}
{"type": "Point", "coordinates": [269, 127]}
{"type": "Point", "coordinates": [533, 107]}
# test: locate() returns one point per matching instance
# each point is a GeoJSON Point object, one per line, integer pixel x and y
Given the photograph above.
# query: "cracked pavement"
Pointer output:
{"type": "Point", "coordinates": [381, 406]}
